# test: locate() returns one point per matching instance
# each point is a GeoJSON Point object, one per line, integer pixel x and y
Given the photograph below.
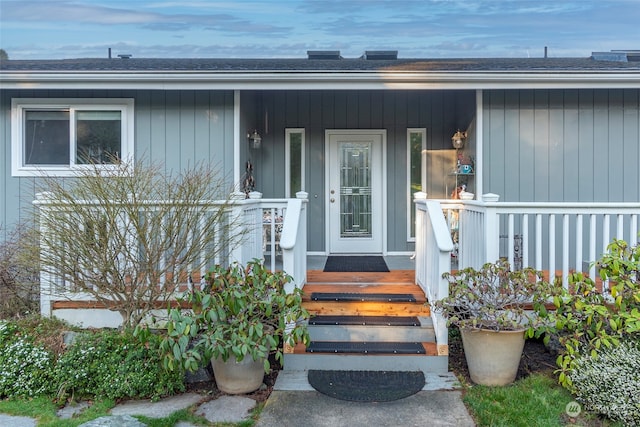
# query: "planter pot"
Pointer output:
{"type": "Point", "coordinates": [235, 377]}
{"type": "Point", "coordinates": [493, 357]}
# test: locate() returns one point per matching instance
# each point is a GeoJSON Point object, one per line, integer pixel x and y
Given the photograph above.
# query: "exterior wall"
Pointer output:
{"type": "Point", "coordinates": [440, 112]}
{"type": "Point", "coordinates": [176, 128]}
{"type": "Point", "coordinates": [562, 145]}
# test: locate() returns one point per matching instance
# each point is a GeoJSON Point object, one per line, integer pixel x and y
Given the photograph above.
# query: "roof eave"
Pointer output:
{"type": "Point", "coordinates": [319, 80]}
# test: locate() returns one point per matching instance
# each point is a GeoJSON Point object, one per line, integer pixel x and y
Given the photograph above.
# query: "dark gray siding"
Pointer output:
{"type": "Point", "coordinates": [176, 128]}
{"type": "Point", "coordinates": [562, 145]}
{"type": "Point", "coordinates": [440, 112]}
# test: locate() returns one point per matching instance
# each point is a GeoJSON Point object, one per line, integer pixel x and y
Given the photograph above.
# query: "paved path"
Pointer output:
{"type": "Point", "coordinates": [292, 403]}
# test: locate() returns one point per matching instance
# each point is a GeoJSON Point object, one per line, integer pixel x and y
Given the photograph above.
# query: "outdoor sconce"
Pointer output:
{"type": "Point", "coordinates": [458, 139]}
{"type": "Point", "coordinates": [255, 140]}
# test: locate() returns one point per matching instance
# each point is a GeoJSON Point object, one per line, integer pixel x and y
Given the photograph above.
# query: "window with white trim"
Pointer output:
{"type": "Point", "coordinates": [294, 161]}
{"type": "Point", "coordinates": [56, 137]}
{"type": "Point", "coordinates": [416, 174]}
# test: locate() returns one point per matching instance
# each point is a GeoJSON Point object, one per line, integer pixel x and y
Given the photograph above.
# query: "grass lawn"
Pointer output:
{"type": "Point", "coordinates": [536, 400]}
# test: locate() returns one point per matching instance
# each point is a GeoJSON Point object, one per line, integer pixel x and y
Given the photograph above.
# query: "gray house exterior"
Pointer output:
{"type": "Point", "coordinates": [538, 130]}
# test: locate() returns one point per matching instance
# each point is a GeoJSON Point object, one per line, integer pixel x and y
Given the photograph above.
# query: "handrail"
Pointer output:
{"type": "Point", "coordinates": [290, 224]}
{"type": "Point", "coordinates": [433, 258]}
{"type": "Point", "coordinates": [294, 240]}
{"type": "Point", "coordinates": [440, 228]}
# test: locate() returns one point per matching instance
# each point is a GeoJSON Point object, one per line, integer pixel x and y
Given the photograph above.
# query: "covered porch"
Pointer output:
{"type": "Point", "coordinates": [558, 238]}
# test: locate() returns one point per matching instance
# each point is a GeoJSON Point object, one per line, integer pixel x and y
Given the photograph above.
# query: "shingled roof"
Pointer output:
{"type": "Point", "coordinates": [318, 65]}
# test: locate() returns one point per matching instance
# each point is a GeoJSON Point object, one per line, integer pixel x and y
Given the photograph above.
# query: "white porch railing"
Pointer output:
{"type": "Point", "coordinates": [433, 258]}
{"type": "Point", "coordinates": [276, 227]}
{"type": "Point", "coordinates": [556, 237]}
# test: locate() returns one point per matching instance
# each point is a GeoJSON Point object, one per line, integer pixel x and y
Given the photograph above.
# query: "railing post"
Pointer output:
{"type": "Point", "coordinates": [420, 209]}
{"type": "Point", "coordinates": [236, 220]}
{"type": "Point", "coordinates": [491, 229]}
{"type": "Point", "coordinates": [43, 201]}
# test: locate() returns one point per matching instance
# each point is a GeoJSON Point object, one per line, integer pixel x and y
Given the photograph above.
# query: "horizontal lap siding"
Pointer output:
{"type": "Point", "coordinates": [177, 129]}
{"type": "Point", "coordinates": [562, 145]}
{"type": "Point", "coordinates": [439, 112]}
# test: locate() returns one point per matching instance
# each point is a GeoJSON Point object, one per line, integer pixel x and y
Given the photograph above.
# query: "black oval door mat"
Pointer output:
{"type": "Point", "coordinates": [367, 386]}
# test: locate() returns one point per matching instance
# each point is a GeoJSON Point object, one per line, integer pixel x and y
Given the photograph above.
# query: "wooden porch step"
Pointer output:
{"type": "Point", "coordinates": [376, 347]}
{"type": "Point", "coordinates": [412, 321]}
{"type": "Point", "coordinates": [367, 308]}
{"type": "Point", "coordinates": [365, 299]}
{"type": "Point", "coordinates": [371, 328]}
{"type": "Point", "coordinates": [394, 276]}
{"type": "Point", "coordinates": [366, 321]}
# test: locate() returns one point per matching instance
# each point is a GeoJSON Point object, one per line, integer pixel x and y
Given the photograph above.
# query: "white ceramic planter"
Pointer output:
{"type": "Point", "coordinates": [493, 357]}
{"type": "Point", "coordinates": [235, 377]}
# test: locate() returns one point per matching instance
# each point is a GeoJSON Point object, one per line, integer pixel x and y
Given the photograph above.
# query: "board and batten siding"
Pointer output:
{"type": "Point", "coordinates": [562, 145]}
{"type": "Point", "coordinates": [174, 128]}
{"type": "Point", "coordinates": [440, 112]}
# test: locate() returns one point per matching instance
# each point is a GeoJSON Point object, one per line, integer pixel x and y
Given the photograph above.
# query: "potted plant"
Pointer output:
{"type": "Point", "coordinates": [492, 309]}
{"type": "Point", "coordinates": [241, 315]}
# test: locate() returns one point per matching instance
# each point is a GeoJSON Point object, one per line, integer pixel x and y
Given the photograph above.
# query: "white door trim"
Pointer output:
{"type": "Point", "coordinates": [378, 132]}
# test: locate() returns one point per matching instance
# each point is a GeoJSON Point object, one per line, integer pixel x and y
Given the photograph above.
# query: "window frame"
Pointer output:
{"type": "Point", "coordinates": [287, 160]}
{"type": "Point", "coordinates": [423, 174]}
{"type": "Point", "coordinates": [20, 105]}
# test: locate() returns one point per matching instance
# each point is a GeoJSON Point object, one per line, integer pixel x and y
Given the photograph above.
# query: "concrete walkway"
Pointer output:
{"type": "Point", "coordinates": [293, 402]}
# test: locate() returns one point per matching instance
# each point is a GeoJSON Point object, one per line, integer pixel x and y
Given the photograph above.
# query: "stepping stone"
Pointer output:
{"type": "Point", "coordinates": [227, 409]}
{"type": "Point", "coordinates": [15, 421]}
{"type": "Point", "coordinates": [114, 421]}
{"type": "Point", "coordinates": [72, 409]}
{"type": "Point", "coordinates": [160, 409]}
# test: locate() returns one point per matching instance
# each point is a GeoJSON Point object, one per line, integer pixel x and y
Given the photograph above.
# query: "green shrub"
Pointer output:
{"type": "Point", "coordinates": [25, 367]}
{"type": "Point", "coordinates": [610, 383]}
{"type": "Point", "coordinates": [115, 365]}
{"type": "Point", "coordinates": [585, 319]}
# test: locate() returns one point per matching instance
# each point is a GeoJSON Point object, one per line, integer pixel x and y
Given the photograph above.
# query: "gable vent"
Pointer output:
{"type": "Point", "coordinates": [380, 54]}
{"type": "Point", "coordinates": [323, 54]}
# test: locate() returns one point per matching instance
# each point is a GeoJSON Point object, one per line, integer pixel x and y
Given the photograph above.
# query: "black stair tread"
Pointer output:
{"type": "Point", "coordinates": [366, 347]}
{"type": "Point", "coordinates": [361, 296]}
{"type": "Point", "coordinates": [365, 320]}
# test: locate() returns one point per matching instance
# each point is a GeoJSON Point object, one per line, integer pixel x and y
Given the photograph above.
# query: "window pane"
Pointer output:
{"type": "Point", "coordinates": [46, 138]}
{"type": "Point", "coordinates": [98, 137]}
{"type": "Point", "coordinates": [295, 167]}
{"type": "Point", "coordinates": [415, 185]}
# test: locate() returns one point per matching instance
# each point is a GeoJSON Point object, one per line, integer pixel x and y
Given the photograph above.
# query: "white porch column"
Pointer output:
{"type": "Point", "coordinates": [236, 137]}
{"type": "Point", "coordinates": [479, 143]}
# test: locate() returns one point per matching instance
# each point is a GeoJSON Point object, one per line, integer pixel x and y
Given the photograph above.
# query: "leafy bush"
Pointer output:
{"type": "Point", "coordinates": [610, 383]}
{"type": "Point", "coordinates": [19, 275]}
{"type": "Point", "coordinates": [585, 319]}
{"type": "Point", "coordinates": [25, 367]}
{"type": "Point", "coordinates": [115, 365]}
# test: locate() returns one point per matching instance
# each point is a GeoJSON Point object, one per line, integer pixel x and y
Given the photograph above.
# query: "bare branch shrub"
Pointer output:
{"type": "Point", "coordinates": [129, 239]}
{"type": "Point", "coordinates": [19, 275]}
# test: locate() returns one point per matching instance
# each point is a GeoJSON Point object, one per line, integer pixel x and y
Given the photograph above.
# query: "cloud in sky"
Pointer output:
{"type": "Point", "coordinates": [288, 28]}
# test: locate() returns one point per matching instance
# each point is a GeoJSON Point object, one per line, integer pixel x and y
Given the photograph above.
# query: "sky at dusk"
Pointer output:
{"type": "Point", "coordinates": [56, 29]}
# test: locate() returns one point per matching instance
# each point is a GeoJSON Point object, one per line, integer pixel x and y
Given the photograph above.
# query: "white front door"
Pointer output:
{"type": "Point", "coordinates": [355, 177]}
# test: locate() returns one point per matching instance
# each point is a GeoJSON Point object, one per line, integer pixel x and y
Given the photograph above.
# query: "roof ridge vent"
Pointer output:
{"type": "Point", "coordinates": [323, 54]}
{"type": "Point", "coordinates": [617, 55]}
{"type": "Point", "coordinates": [380, 54]}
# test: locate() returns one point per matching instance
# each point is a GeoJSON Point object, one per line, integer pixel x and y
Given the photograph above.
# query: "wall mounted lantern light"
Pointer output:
{"type": "Point", "coordinates": [255, 140]}
{"type": "Point", "coordinates": [458, 139]}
